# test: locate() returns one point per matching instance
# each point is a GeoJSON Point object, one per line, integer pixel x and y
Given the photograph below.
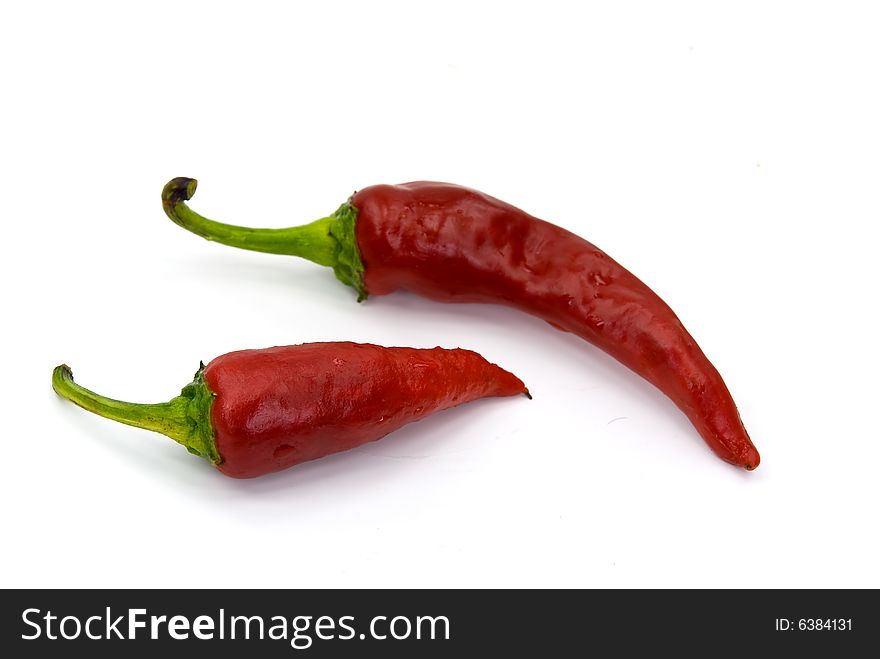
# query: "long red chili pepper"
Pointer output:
{"type": "Point", "coordinates": [256, 411]}
{"type": "Point", "coordinates": [454, 244]}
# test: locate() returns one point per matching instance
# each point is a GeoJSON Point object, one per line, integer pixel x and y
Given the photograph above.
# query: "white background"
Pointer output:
{"type": "Point", "coordinates": [730, 157]}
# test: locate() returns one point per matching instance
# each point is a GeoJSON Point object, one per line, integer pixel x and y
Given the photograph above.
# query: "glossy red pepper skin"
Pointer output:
{"type": "Point", "coordinates": [278, 407]}
{"type": "Point", "coordinates": [454, 244]}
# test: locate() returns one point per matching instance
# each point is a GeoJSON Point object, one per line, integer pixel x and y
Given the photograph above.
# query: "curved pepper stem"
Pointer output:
{"type": "Point", "coordinates": [186, 418]}
{"type": "Point", "coordinates": [329, 241]}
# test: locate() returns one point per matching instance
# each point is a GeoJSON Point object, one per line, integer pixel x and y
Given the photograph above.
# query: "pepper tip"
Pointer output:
{"type": "Point", "coordinates": [752, 459]}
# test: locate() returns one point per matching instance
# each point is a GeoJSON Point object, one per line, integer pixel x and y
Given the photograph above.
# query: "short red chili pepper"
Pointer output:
{"type": "Point", "coordinates": [257, 411]}
{"type": "Point", "coordinates": [454, 244]}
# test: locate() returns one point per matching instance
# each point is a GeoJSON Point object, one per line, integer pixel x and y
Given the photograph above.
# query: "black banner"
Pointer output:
{"type": "Point", "coordinates": [315, 623]}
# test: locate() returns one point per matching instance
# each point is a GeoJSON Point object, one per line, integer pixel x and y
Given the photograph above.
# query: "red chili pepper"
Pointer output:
{"type": "Point", "coordinates": [256, 411]}
{"type": "Point", "coordinates": [454, 244]}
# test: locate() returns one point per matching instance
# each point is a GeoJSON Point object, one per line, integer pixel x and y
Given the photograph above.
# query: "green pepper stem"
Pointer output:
{"type": "Point", "coordinates": [185, 418]}
{"type": "Point", "coordinates": [311, 241]}
{"type": "Point", "coordinates": [167, 418]}
{"type": "Point", "coordinates": [329, 241]}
